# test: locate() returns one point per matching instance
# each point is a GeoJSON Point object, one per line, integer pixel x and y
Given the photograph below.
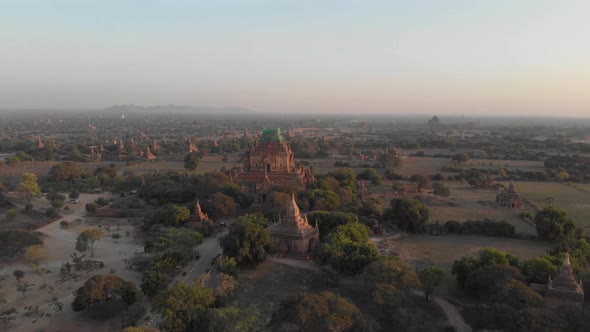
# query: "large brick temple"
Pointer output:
{"type": "Point", "coordinates": [269, 162]}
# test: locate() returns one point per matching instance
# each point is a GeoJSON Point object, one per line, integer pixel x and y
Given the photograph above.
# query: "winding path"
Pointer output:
{"type": "Point", "coordinates": [453, 316]}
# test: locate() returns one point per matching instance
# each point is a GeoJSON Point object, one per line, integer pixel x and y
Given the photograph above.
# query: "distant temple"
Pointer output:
{"type": "Point", "coordinates": [509, 198]}
{"type": "Point", "coordinates": [191, 146]}
{"type": "Point", "coordinates": [294, 234]}
{"type": "Point", "coordinates": [148, 154]}
{"type": "Point", "coordinates": [270, 161]}
{"type": "Point", "coordinates": [564, 290]}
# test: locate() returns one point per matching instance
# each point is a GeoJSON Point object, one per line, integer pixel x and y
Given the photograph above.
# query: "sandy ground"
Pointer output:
{"type": "Point", "coordinates": [59, 244]}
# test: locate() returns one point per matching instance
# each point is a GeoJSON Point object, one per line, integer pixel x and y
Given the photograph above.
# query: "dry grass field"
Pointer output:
{"type": "Point", "coordinates": [422, 165]}
{"type": "Point", "coordinates": [424, 250]}
{"type": "Point", "coordinates": [466, 203]}
{"type": "Point", "coordinates": [207, 164]}
{"type": "Point", "coordinates": [572, 199]}
{"type": "Point", "coordinates": [524, 165]}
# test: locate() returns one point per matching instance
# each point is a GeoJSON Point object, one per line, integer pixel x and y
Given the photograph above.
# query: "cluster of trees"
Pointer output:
{"type": "Point", "coordinates": [554, 225]}
{"type": "Point", "coordinates": [323, 311]}
{"type": "Point", "coordinates": [198, 308]}
{"type": "Point", "coordinates": [14, 242]}
{"type": "Point", "coordinates": [174, 248]}
{"type": "Point", "coordinates": [407, 214]}
{"type": "Point", "coordinates": [347, 248]}
{"type": "Point", "coordinates": [386, 288]}
{"type": "Point", "coordinates": [69, 176]}
{"type": "Point", "coordinates": [576, 168]}
{"type": "Point", "coordinates": [106, 295]}
{"type": "Point", "coordinates": [501, 280]}
{"type": "Point", "coordinates": [248, 240]}
{"type": "Point", "coordinates": [389, 284]}
{"type": "Point", "coordinates": [489, 227]}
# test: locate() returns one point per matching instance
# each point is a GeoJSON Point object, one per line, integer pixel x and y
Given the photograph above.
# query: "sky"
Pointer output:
{"type": "Point", "coordinates": [498, 57]}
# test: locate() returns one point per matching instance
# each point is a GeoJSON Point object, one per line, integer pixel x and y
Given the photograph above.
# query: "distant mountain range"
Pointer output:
{"type": "Point", "coordinates": [178, 109]}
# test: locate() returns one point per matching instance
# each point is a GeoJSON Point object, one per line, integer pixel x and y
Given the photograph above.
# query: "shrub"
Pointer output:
{"type": "Point", "coordinates": [116, 236]}
{"type": "Point", "coordinates": [51, 213]}
{"type": "Point", "coordinates": [11, 214]}
{"type": "Point", "coordinates": [487, 227]}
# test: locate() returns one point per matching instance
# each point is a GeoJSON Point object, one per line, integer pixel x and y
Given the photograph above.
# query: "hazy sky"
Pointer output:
{"type": "Point", "coordinates": [440, 56]}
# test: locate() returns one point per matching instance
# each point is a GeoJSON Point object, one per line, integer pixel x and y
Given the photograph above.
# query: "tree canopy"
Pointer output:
{"type": "Point", "coordinates": [186, 306]}
{"type": "Point", "coordinates": [191, 161]}
{"type": "Point", "coordinates": [104, 288]}
{"type": "Point", "coordinates": [87, 238]}
{"type": "Point", "coordinates": [324, 311]}
{"type": "Point", "coordinates": [408, 214]}
{"type": "Point", "coordinates": [247, 242]}
{"type": "Point", "coordinates": [553, 224]}
{"type": "Point", "coordinates": [347, 248]}
{"type": "Point", "coordinates": [28, 186]}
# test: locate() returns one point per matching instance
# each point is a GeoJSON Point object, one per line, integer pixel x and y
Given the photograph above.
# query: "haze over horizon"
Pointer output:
{"type": "Point", "coordinates": [429, 57]}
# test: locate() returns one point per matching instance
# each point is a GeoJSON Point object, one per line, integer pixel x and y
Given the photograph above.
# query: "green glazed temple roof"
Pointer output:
{"type": "Point", "coordinates": [271, 135]}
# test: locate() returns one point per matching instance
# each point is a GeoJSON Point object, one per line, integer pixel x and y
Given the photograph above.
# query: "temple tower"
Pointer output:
{"type": "Point", "coordinates": [564, 290]}
{"type": "Point", "coordinates": [294, 234]}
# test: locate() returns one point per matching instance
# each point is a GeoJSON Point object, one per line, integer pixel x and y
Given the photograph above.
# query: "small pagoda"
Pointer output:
{"type": "Point", "coordinates": [198, 217]}
{"type": "Point", "coordinates": [509, 198]}
{"type": "Point", "coordinates": [294, 234]}
{"type": "Point", "coordinates": [565, 290]}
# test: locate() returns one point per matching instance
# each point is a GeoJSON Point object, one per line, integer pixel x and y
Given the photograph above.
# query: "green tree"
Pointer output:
{"type": "Point", "coordinates": [186, 306]}
{"type": "Point", "coordinates": [13, 242]}
{"type": "Point", "coordinates": [422, 181]}
{"type": "Point", "coordinates": [329, 220]}
{"type": "Point", "coordinates": [441, 190]}
{"type": "Point", "coordinates": [247, 242]}
{"type": "Point", "coordinates": [460, 158]}
{"type": "Point", "coordinates": [57, 204]}
{"type": "Point", "coordinates": [390, 271]}
{"type": "Point", "coordinates": [172, 215]}
{"type": "Point", "coordinates": [11, 214]}
{"type": "Point", "coordinates": [462, 267]}
{"type": "Point", "coordinates": [74, 194]}
{"type": "Point", "coordinates": [324, 311]}
{"type": "Point", "coordinates": [553, 224]}
{"type": "Point", "coordinates": [347, 248]}
{"type": "Point", "coordinates": [391, 160]}
{"type": "Point", "coordinates": [232, 319]}
{"type": "Point", "coordinates": [87, 238]}
{"type": "Point", "coordinates": [28, 186]}
{"type": "Point", "coordinates": [191, 161]}
{"type": "Point", "coordinates": [537, 270]}
{"type": "Point", "coordinates": [65, 171]}
{"type": "Point", "coordinates": [430, 278]}
{"type": "Point", "coordinates": [152, 282]}
{"type": "Point", "coordinates": [18, 274]}
{"type": "Point", "coordinates": [35, 256]}
{"type": "Point", "coordinates": [104, 288]}
{"type": "Point", "coordinates": [408, 214]}
{"type": "Point", "coordinates": [222, 205]}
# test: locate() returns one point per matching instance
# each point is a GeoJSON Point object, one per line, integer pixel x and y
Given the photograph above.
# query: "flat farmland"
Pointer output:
{"type": "Point", "coordinates": [466, 203]}
{"type": "Point", "coordinates": [422, 165]}
{"type": "Point", "coordinates": [574, 200]}
{"type": "Point", "coordinates": [41, 169]}
{"type": "Point", "coordinates": [528, 165]}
